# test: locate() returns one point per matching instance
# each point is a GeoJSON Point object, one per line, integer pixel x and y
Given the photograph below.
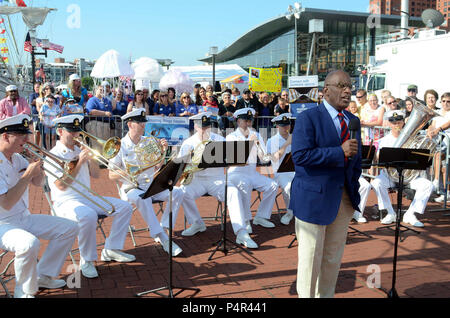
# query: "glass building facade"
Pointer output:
{"type": "Point", "coordinates": [344, 44]}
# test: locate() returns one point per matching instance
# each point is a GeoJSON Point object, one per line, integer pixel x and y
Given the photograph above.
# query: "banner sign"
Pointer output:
{"type": "Point", "coordinates": [174, 129]}
{"type": "Point", "coordinates": [266, 79]}
{"type": "Point", "coordinates": [303, 93]}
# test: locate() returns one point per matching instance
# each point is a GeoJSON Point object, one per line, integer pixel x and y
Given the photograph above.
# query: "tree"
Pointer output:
{"type": "Point", "coordinates": [88, 83]}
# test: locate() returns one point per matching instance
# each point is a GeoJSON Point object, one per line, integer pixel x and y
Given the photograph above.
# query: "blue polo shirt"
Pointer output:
{"type": "Point", "coordinates": [161, 109]}
{"type": "Point", "coordinates": [103, 104]}
{"type": "Point", "coordinates": [191, 108]}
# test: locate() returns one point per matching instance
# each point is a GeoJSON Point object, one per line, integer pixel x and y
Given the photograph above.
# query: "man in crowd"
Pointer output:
{"type": "Point", "coordinates": [13, 104]}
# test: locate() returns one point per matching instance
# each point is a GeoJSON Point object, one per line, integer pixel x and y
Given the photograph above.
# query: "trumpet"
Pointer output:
{"type": "Point", "coordinates": [66, 167]}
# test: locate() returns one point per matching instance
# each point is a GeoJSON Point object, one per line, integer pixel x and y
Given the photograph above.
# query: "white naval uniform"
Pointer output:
{"type": "Point", "coordinates": [364, 190]}
{"type": "Point", "coordinates": [210, 181]}
{"type": "Point", "coordinates": [73, 206]}
{"type": "Point", "coordinates": [145, 179]}
{"type": "Point", "coordinates": [20, 232]}
{"type": "Point", "coordinates": [382, 183]}
{"type": "Point", "coordinates": [284, 179]}
{"type": "Point", "coordinates": [246, 178]}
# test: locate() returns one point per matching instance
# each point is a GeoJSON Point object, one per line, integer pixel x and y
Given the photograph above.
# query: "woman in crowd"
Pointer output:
{"type": "Point", "coordinates": [186, 107]}
{"type": "Point", "coordinates": [75, 91]}
{"type": "Point", "coordinates": [172, 95]}
{"type": "Point", "coordinates": [163, 107]}
{"type": "Point", "coordinates": [226, 111]}
{"type": "Point", "coordinates": [46, 90]}
{"type": "Point", "coordinates": [372, 117]}
{"type": "Point", "coordinates": [430, 98]}
{"type": "Point", "coordinates": [138, 102]}
{"type": "Point", "coordinates": [391, 104]}
{"type": "Point", "coordinates": [409, 105]}
{"type": "Point", "coordinates": [48, 112]}
{"type": "Point", "coordinates": [201, 96]}
{"type": "Point", "coordinates": [119, 103]}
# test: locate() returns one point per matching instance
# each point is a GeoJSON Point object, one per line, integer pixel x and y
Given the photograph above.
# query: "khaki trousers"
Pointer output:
{"type": "Point", "coordinates": [320, 250]}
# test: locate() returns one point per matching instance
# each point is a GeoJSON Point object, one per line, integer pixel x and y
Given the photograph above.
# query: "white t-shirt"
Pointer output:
{"type": "Point", "coordinates": [10, 174]}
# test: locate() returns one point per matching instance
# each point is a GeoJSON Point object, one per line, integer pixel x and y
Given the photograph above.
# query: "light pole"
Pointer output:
{"type": "Point", "coordinates": [45, 46]}
{"type": "Point", "coordinates": [295, 12]}
{"type": "Point", "coordinates": [213, 50]}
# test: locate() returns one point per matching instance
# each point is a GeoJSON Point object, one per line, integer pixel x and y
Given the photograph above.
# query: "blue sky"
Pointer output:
{"type": "Point", "coordinates": [180, 30]}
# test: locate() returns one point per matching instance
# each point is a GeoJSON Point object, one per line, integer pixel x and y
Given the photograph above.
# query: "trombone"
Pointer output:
{"type": "Point", "coordinates": [66, 167]}
{"type": "Point", "coordinates": [110, 149]}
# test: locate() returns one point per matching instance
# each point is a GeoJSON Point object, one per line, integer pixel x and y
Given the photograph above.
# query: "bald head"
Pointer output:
{"type": "Point", "coordinates": [338, 89]}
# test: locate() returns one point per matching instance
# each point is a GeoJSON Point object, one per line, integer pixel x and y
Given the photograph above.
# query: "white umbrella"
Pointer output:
{"type": "Point", "coordinates": [180, 81]}
{"type": "Point", "coordinates": [148, 69]}
{"type": "Point", "coordinates": [111, 64]}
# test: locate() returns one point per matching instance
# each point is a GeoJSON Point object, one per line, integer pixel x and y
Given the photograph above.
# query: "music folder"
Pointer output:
{"type": "Point", "coordinates": [287, 165]}
{"type": "Point", "coordinates": [219, 154]}
{"type": "Point", "coordinates": [368, 154]}
{"type": "Point", "coordinates": [167, 176]}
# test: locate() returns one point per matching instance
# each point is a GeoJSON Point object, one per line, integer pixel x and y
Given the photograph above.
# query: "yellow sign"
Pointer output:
{"type": "Point", "coordinates": [265, 79]}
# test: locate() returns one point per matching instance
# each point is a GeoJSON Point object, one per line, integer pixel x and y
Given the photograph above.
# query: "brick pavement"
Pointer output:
{"type": "Point", "coordinates": [270, 271]}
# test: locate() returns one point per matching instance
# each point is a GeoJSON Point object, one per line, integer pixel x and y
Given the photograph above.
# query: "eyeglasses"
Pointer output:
{"type": "Point", "coordinates": [359, 97]}
{"type": "Point", "coordinates": [342, 85]}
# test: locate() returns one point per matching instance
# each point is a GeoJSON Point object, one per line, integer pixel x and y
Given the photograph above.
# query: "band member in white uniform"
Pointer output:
{"type": "Point", "coordinates": [364, 190]}
{"type": "Point", "coordinates": [136, 121]}
{"type": "Point", "coordinates": [279, 146]}
{"type": "Point", "coordinates": [20, 230]}
{"type": "Point", "coordinates": [246, 178]}
{"type": "Point", "coordinates": [70, 204]}
{"type": "Point", "coordinates": [382, 183]}
{"type": "Point", "coordinates": [211, 181]}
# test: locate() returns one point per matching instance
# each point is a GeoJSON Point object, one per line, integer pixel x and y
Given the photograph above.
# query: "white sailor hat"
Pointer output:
{"type": "Point", "coordinates": [283, 119]}
{"type": "Point", "coordinates": [138, 115]}
{"type": "Point", "coordinates": [74, 77]}
{"type": "Point", "coordinates": [245, 113]}
{"type": "Point", "coordinates": [204, 117]}
{"type": "Point", "coordinates": [395, 115]}
{"type": "Point", "coordinates": [19, 124]}
{"type": "Point", "coordinates": [11, 88]}
{"type": "Point", "coordinates": [71, 123]}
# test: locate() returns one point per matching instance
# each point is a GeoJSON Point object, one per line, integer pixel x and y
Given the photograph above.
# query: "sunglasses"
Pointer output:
{"type": "Point", "coordinates": [359, 97]}
{"type": "Point", "coordinates": [392, 103]}
{"type": "Point", "coordinates": [412, 90]}
{"type": "Point", "coordinates": [395, 120]}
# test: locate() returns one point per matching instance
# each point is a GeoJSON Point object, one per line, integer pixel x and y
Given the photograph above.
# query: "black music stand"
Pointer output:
{"type": "Point", "coordinates": [402, 159]}
{"type": "Point", "coordinates": [224, 154]}
{"type": "Point", "coordinates": [165, 179]}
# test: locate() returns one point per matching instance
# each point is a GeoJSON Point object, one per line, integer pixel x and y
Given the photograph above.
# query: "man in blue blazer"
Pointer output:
{"type": "Point", "coordinates": [324, 191]}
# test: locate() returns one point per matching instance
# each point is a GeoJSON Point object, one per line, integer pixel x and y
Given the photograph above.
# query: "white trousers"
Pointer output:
{"type": "Point", "coordinates": [364, 190]}
{"type": "Point", "coordinates": [86, 214]}
{"type": "Point", "coordinates": [320, 250]}
{"type": "Point", "coordinates": [20, 234]}
{"type": "Point", "coordinates": [177, 198]}
{"type": "Point", "coordinates": [214, 186]}
{"type": "Point", "coordinates": [255, 181]}
{"type": "Point", "coordinates": [284, 181]}
{"type": "Point", "coordinates": [423, 187]}
{"type": "Point", "coordinates": [145, 207]}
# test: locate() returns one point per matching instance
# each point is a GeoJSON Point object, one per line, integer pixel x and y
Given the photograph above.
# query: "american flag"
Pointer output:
{"type": "Point", "coordinates": [39, 43]}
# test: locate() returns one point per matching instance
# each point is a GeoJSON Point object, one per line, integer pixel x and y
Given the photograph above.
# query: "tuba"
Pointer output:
{"type": "Point", "coordinates": [192, 167]}
{"type": "Point", "coordinates": [411, 138]}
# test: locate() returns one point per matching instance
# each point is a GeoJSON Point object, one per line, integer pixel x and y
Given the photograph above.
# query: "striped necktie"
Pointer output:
{"type": "Point", "coordinates": [345, 134]}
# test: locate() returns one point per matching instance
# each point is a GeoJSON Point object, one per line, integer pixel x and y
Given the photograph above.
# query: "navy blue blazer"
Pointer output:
{"type": "Point", "coordinates": [320, 171]}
